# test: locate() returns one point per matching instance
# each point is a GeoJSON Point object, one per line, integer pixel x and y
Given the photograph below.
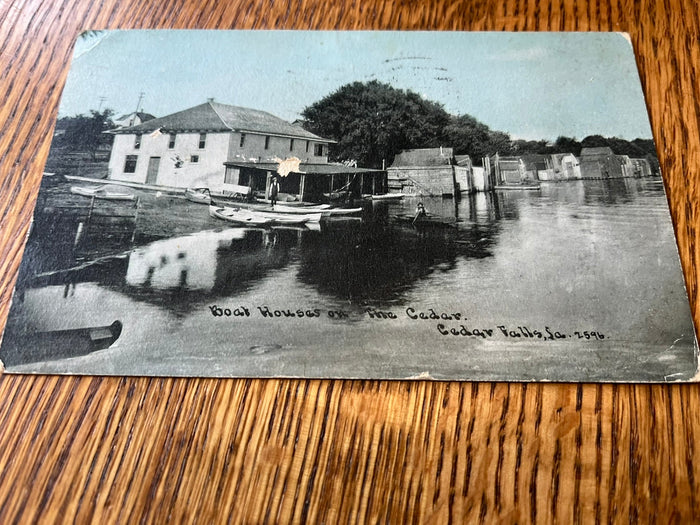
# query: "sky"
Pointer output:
{"type": "Point", "coordinates": [530, 85]}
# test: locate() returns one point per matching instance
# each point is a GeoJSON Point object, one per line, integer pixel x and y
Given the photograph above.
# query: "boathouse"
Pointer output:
{"type": "Point", "coordinates": [189, 148]}
{"type": "Point", "coordinates": [306, 181]}
{"type": "Point", "coordinates": [538, 166]}
{"type": "Point", "coordinates": [506, 171]}
{"type": "Point", "coordinates": [565, 166]}
{"type": "Point", "coordinates": [602, 163]}
{"type": "Point", "coordinates": [428, 171]}
{"type": "Point", "coordinates": [464, 174]}
{"type": "Point", "coordinates": [641, 168]}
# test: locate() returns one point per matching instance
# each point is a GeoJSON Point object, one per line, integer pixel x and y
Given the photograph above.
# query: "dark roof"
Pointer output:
{"type": "Point", "coordinates": [463, 160]}
{"type": "Point", "coordinates": [304, 167]}
{"type": "Point", "coordinates": [213, 116]}
{"type": "Point", "coordinates": [605, 150]}
{"type": "Point", "coordinates": [140, 114]}
{"type": "Point", "coordinates": [423, 157]}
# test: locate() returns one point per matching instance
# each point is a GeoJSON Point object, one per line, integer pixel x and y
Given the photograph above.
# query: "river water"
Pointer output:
{"type": "Point", "coordinates": [577, 281]}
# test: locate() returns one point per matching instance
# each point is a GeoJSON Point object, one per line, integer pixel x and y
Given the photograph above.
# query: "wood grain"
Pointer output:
{"type": "Point", "coordinates": [261, 451]}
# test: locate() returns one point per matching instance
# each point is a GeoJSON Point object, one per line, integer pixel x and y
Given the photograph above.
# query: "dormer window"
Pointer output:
{"type": "Point", "coordinates": [318, 150]}
{"type": "Point", "coordinates": [267, 142]}
{"type": "Point", "coordinates": [242, 140]}
{"type": "Point", "coordinates": [291, 144]}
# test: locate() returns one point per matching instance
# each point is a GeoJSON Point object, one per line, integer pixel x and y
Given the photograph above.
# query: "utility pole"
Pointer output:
{"type": "Point", "coordinates": [138, 104]}
{"type": "Point", "coordinates": [99, 107]}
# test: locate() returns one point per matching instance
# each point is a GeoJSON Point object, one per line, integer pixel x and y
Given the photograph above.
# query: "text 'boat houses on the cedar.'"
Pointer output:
{"type": "Point", "coordinates": [226, 148]}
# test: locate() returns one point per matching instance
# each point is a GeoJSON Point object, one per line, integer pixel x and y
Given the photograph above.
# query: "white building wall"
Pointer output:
{"type": "Point", "coordinates": [254, 150]}
{"type": "Point", "coordinates": [176, 166]}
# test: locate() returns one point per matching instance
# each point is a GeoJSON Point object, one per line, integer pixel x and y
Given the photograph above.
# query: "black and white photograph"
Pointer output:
{"type": "Point", "coordinates": [373, 205]}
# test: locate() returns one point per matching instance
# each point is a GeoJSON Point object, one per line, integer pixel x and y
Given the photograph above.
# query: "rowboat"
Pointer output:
{"type": "Point", "coordinates": [21, 348]}
{"type": "Point", "coordinates": [253, 218]}
{"type": "Point", "coordinates": [238, 216]}
{"type": "Point", "coordinates": [107, 191]}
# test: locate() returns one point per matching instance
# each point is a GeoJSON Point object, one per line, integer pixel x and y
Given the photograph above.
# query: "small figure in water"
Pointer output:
{"type": "Point", "coordinates": [420, 213]}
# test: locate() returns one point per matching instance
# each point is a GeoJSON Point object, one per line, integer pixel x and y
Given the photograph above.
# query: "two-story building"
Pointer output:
{"type": "Point", "coordinates": [189, 148]}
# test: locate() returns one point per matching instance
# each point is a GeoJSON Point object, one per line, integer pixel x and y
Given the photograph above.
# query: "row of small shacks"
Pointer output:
{"type": "Point", "coordinates": [437, 171]}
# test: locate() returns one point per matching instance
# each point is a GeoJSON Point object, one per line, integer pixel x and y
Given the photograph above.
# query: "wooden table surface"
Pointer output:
{"type": "Point", "coordinates": [277, 451]}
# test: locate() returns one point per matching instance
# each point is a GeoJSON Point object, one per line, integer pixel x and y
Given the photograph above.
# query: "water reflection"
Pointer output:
{"type": "Point", "coordinates": [591, 254]}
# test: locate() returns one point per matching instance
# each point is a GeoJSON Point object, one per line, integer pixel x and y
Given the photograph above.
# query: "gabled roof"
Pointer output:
{"type": "Point", "coordinates": [214, 116]}
{"type": "Point", "coordinates": [140, 114]}
{"type": "Point", "coordinates": [605, 150]}
{"type": "Point", "coordinates": [423, 157]}
{"type": "Point", "coordinates": [463, 160]}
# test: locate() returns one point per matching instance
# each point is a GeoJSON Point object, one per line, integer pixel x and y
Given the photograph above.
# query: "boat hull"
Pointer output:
{"type": "Point", "coordinates": [254, 218]}
{"type": "Point", "coordinates": [103, 192]}
{"type": "Point", "coordinates": [25, 348]}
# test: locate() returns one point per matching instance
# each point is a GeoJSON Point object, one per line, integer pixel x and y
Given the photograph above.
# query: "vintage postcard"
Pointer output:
{"type": "Point", "coordinates": [381, 205]}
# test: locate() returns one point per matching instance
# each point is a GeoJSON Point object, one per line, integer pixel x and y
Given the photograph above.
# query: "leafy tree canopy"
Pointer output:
{"type": "Point", "coordinates": [85, 132]}
{"type": "Point", "coordinates": [372, 122]}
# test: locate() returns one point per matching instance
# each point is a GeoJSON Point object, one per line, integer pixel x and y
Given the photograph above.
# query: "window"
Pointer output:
{"type": "Point", "coordinates": [137, 141]}
{"type": "Point", "coordinates": [307, 146]}
{"type": "Point", "coordinates": [194, 158]}
{"type": "Point", "coordinates": [130, 164]}
{"type": "Point", "coordinates": [318, 150]}
{"type": "Point", "coordinates": [202, 140]}
{"type": "Point", "coordinates": [267, 142]}
{"type": "Point", "coordinates": [242, 140]}
{"type": "Point", "coordinates": [171, 142]}
{"type": "Point", "coordinates": [291, 144]}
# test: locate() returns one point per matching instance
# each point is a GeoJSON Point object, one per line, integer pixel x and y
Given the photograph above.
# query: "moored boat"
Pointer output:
{"type": "Point", "coordinates": [108, 191]}
{"type": "Point", "coordinates": [387, 196]}
{"type": "Point", "coordinates": [21, 348]}
{"type": "Point", "coordinates": [254, 218]}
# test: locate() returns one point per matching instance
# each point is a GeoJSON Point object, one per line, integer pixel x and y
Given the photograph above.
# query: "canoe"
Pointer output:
{"type": "Point", "coordinates": [238, 216]}
{"type": "Point", "coordinates": [325, 209]}
{"type": "Point", "coordinates": [108, 191]}
{"type": "Point", "coordinates": [428, 221]}
{"type": "Point", "coordinates": [387, 196]}
{"type": "Point", "coordinates": [21, 348]}
{"type": "Point", "coordinates": [254, 218]}
{"type": "Point", "coordinates": [341, 211]}
{"type": "Point", "coordinates": [282, 209]}
{"type": "Point", "coordinates": [285, 217]}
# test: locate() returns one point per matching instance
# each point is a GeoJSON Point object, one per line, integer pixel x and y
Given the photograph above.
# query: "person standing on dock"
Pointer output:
{"type": "Point", "coordinates": [420, 213]}
{"type": "Point", "coordinates": [274, 191]}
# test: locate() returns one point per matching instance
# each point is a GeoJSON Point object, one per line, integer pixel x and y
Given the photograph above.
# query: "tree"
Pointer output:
{"type": "Point", "coordinates": [86, 133]}
{"type": "Point", "coordinates": [468, 136]}
{"type": "Point", "coordinates": [372, 122]}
